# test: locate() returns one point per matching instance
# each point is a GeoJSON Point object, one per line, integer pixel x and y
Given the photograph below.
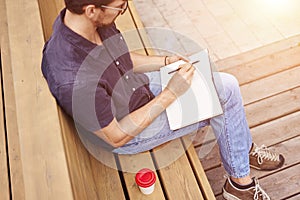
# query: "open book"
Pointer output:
{"type": "Point", "coordinates": [200, 101]}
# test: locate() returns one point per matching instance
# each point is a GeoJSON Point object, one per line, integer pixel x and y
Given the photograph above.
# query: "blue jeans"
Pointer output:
{"type": "Point", "coordinates": [230, 128]}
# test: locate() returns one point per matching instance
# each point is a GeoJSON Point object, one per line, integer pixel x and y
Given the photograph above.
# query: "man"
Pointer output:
{"type": "Point", "coordinates": [103, 87]}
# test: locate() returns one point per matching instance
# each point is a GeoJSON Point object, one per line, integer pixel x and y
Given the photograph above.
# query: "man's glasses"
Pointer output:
{"type": "Point", "coordinates": [121, 10]}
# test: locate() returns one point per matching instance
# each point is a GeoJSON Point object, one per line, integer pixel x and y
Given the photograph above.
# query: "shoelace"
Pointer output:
{"type": "Point", "coordinates": [259, 192]}
{"type": "Point", "coordinates": [264, 153]}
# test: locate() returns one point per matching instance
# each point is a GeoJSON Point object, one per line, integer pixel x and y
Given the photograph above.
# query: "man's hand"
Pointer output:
{"type": "Point", "coordinates": [182, 79]}
{"type": "Point", "coordinates": [172, 59]}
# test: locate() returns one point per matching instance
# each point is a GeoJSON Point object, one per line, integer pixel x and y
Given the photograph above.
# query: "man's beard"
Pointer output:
{"type": "Point", "coordinates": [100, 24]}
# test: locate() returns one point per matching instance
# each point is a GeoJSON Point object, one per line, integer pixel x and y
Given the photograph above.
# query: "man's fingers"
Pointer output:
{"type": "Point", "coordinates": [187, 71]}
{"type": "Point", "coordinates": [190, 72]}
{"type": "Point", "coordinates": [185, 67]}
{"type": "Point", "coordinates": [183, 58]}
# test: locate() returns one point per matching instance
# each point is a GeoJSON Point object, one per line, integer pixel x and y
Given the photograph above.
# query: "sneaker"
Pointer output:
{"type": "Point", "coordinates": [262, 158]}
{"type": "Point", "coordinates": [230, 192]}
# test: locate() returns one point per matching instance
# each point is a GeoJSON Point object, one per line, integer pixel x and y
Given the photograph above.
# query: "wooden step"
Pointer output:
{"type": "Point", "coordinates": [4, 178]}
{"type": "Point", "coordinates": [258, 53]}
{"type": "Point", "coordinates": [4, 167]}
{"type": "Point", "coordinates": [265, 66]}
{"type": "Point", "coordinates": [34, 136]}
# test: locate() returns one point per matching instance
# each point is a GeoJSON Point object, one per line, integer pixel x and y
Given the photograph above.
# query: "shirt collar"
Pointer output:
{"type": "Point", "coordinates": [60, 28]}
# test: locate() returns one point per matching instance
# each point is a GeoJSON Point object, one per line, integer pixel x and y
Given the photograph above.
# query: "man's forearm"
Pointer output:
{"type": "Point", "coordinates": [140, 119]}
{"type": "Point", "coordinates": [143, 63]}
{"type": "Point", "coordinates": [119, 133]}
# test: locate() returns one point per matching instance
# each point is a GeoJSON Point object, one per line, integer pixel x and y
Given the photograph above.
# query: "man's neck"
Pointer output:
{"type": "Point", "coordinates": [82, 26]}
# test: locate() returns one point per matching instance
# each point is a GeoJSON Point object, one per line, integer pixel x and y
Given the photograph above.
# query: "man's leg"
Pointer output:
{"type": "Point", "coordinates": [234, 139]}
{"type": "Point", "coordinates": [231, 128]}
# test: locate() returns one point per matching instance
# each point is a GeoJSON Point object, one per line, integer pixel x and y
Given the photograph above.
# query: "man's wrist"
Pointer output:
{"type": "Point", "coordinates": [166, 60]}
{"type": "Point", "coordinates": [169, 94]}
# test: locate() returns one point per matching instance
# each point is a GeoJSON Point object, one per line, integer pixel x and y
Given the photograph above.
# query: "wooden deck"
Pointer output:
{"type": "Point", "coordinates": [270, 85]}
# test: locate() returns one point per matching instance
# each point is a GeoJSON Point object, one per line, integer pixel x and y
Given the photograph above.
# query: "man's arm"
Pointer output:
{"type": "Point", "coordinates": [143, 63]}
{"type": "Point", "coordinates": [118, 133]}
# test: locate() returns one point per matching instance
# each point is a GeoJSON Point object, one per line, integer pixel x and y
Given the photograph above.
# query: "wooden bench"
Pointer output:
{"type": "Point", "coordinates": [36, 159]}
{"type": "Point", "coordinates": [46, 158]}
{"type": "Point", "coordinates": [4, 173]}
{"type": "Point", "coordinates": [4, 180]}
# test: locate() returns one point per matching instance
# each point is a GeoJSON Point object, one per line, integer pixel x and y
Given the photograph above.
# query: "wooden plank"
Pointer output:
{"type": "Point", "coordinates": [258, 53]}
{"type": "Point", "coordinates": [277, 130]}
{"type": "Point", "coordinates": [266, 66]}
{"type": "Point", "coordinates": [204, 135]}
{"type": "Point", "coordinates": [266, 87]}
{"type": "Point", "coordinates": [130, 165]}
{"type": "Point", "coordinates": [71, 150]}
{"type": "Point", "coordinates": [125, 23]}
{"type": "Point", "coordinates": [15, 168]}
{"type": "Point", "coordinates": [296, 197]}
{"type": "Point", "coordinates": [49, 11]}
{"type": "Point", "coordinates": [38, 130]}
{"type": "Point", "coordinates": [209, 159]}
{"type": "Point", "coordinates": [4, 178]}
{"type": "Point", "coordinates": [216, 178]}
{"type": "Point", "coordinates": [98, 168]}
{"type": "Point", "coordinates": [274, 107]}
{"type": "Point", "coordinates": [198, 169]}
{"type": "Point", "coordinates": [107, 179]}
{"type": "Point", "coordinates": [105, 173]}
{"type": "Point", "coordinates": [60, 4]}
{"type": "Point", "coordinates": [78, 160]}
{"type": "Point", "coordinates": [141, 29]}
{"type": "Point", "coordinates": [176, 173]}
{"type": "Point", "coordinates": [90, 178]}
{"type": "Point", "coordinates": [282, 184]}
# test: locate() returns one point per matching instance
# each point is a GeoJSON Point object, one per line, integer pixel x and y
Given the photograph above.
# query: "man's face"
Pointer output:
{"type": "Point", "coordinates": [110, 12]}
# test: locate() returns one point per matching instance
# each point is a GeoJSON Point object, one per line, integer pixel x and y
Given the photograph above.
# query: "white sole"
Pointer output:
{"type": "Point", "coordinates": [228, 196]}
{"type": "Point", "coordinates": [254, 167]}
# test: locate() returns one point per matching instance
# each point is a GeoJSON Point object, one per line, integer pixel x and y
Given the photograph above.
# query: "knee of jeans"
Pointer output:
{"type": "Point", "coordinates": [227, 86]}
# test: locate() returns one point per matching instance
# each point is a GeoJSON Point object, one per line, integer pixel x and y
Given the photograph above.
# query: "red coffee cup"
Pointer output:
{"type": "Point", "coordinates": [145, 179]}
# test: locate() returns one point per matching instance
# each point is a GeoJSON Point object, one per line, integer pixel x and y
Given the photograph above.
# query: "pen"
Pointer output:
{"type": "Point", "coordinates": [170, 72]}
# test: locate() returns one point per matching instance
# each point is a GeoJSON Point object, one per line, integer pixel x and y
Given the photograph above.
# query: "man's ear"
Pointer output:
{"type": "Point", "coordinates": [90, 11]}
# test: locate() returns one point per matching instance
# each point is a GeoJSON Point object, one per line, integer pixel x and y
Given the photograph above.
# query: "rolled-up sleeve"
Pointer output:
{"type": "Point", "coordinates": [91, 109]}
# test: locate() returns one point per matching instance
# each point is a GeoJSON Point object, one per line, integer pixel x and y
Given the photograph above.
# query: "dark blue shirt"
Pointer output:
{"type": "Point", "coordinates": [93, 83]}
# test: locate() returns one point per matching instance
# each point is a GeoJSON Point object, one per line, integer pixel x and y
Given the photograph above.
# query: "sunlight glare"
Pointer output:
{"type": "Point", "coordinates": [276, 6]}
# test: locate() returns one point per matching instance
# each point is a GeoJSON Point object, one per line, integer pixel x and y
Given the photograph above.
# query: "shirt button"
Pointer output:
{"type": "Point", "coordinates": [133, 89]}
{"type": "Point", "coordinates": [117, 62]}
{"type": "Point", "coordinates": [126, 77]}
{"type": "Point", "coordinates": [121, 38]}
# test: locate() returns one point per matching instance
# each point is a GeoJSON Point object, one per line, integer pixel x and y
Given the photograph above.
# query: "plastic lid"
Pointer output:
{"type": "Point", "coordinates": [145, 178]}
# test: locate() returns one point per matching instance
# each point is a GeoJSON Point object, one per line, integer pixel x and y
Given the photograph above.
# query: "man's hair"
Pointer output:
{"type": "Point", "coordinates": [76, 6]}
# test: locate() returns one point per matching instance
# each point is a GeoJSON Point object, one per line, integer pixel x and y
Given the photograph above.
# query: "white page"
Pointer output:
{"type": "Point", "coordinates": [200, 102]}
